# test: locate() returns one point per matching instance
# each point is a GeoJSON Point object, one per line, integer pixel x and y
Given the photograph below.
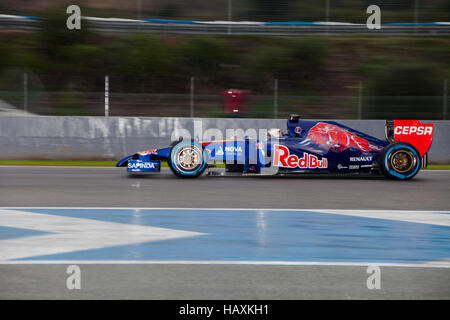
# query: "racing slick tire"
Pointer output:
{"type": "Point", "coordinates": [400, 161]}
{"type": "Point", "coordinates": [187, 159]}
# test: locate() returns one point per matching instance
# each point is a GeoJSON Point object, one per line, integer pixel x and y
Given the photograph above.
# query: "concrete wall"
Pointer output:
{"type": "Point", "coordinates": [85, 138]}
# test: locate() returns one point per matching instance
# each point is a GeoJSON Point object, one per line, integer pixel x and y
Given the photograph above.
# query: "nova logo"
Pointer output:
{"type": "Point", "coordinates": [233, 149]}
{"type": "Point", "coordinates": [283, 158]}
{"type": "Point", "coordinates": [413, 129]}
{"type": "Point", "coordinates": [141, 165]}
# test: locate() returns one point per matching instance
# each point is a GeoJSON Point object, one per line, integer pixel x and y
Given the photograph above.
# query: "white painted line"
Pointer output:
{"type": "Point", "coordinates": [443, 264]}
{"type": "Point", "coordinates": [428, 217]}
{"type": "Point", "coordinates": [74, 234]}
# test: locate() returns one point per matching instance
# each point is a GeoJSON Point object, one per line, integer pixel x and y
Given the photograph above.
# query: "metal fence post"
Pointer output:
{"type": "Point", "coordinates": [25, 91]}
{"type": "Point", "coordinates": [359, 100]}
{"type": "Point", "coordinates": [139, 9]}
{"type": "Point", "coordinates": [275, 98]}
{"type": "Point", "coordinates": [192, 97]}
{"type": "Point", "coordinates": [106, 96]}
{"type": "Point", "coordinates": [444, 105]}
{"type": "Point", "coordinates": [416, 15]}
{"type": "Point", "coordinates": [229, 15]}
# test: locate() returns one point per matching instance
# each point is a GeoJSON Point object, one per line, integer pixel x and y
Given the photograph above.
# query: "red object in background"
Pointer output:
{"type": "Point", "coordinates": [415, 133]}
{"type": "Point", "coordinates": [234, 100]}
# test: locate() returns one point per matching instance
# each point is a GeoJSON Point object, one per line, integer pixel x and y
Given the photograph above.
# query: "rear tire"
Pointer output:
{"type": "Point", "coordinates": [187, 159]}
{"type": "Point", "coordinates": [400, 161]}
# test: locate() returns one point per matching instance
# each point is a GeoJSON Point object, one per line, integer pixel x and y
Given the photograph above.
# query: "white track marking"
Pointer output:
{"type": "Point", "coordinates": [434, 264]}
{"type": "Point", "coordinates": [428, 217]}
{"type": "Point", "coordinates": [74, 234]}
{"type": "Point", "coordinates": [435, 217]}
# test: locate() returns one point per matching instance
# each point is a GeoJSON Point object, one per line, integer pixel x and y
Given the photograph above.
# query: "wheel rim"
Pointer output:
{"type": "Point", "coordinates": [188, 158]}
{"type": "Point", "coordinates": [402, 161]}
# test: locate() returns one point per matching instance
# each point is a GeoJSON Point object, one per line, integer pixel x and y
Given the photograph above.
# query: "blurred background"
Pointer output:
{"type": "Point", "coordinates": [50, 70]}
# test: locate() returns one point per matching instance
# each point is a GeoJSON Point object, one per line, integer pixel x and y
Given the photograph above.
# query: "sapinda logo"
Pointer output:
{"type": "Point", "coordinates": [141, 165]}
{"type": "Point", "coordinates": [283, 158]}
{"type": "Point", "coordinates": [419, 130]}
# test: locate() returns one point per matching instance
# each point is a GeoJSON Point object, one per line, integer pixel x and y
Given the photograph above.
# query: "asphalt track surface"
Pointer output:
{"type": "Point", "coordinates": [111, 187]}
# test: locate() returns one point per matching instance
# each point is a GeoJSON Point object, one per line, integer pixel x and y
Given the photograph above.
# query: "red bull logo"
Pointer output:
{"type": "Point", "coordinates": [283, 158]}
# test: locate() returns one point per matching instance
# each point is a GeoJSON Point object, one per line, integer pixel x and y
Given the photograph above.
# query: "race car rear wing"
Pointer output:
{"type": "Point", "coordinates": [419, 135]}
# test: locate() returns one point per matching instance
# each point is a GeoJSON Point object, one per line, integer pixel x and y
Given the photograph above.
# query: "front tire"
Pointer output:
{"type": "Point", "coordinates": [400, 161]}
{"type": "Point", "coordinates": [187, 160]}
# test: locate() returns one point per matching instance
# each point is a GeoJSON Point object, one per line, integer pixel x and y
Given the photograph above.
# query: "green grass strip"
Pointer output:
{"type": "Point", "coordinates": [438, 167]}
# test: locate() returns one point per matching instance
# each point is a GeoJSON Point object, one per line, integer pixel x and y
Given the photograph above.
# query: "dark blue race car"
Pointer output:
{"type": "Point", "coordinates": [306, 147]}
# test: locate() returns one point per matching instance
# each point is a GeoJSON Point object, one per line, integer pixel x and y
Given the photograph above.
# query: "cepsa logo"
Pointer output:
{"type": "Point", "coordinates": [414, 132]}
{"type": "Point", "coordinates": [283, 158]}
{"type": "Point", "coordinates": [419, 130]}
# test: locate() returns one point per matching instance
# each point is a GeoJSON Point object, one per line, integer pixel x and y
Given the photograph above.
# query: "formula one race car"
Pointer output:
{"type": "Point", "coordinates": [307, 147]}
